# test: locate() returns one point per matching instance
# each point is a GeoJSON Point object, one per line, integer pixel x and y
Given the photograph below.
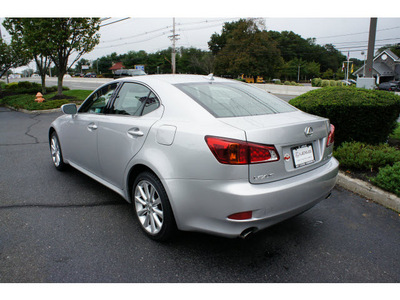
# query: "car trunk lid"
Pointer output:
{"type": "Point", "coordinates": [299, 138]}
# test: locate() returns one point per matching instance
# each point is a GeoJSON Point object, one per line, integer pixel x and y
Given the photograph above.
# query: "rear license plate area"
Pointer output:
{"type": "Point", "coordinates": [303, 155]}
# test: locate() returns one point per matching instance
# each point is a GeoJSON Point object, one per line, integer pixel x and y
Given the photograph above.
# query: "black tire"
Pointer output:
{"type": "Point", "coordinates": [56, 153]}
{"type": "Point", "coordinates": [152, 208]}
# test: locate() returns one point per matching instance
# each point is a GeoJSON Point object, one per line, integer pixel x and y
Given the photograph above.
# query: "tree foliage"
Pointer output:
{"type": "Point", "coordinates": [243, 47]}
{"type": "Point", "coordinates": [246, 47]}
{"type": "Point", "coordinates": [59, 39]}
{"type": "Point", "coordinates": [24, 31]}
{"type": "Point", "coordinates": [12, 55]}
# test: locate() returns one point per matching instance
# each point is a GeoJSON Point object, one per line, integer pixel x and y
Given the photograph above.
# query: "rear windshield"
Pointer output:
{"type": "Point", "coordinates": [225, 100]}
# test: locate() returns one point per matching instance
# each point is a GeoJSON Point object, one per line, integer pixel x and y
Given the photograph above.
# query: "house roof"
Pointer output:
{"type": "Point", "coordinates": [389, 53]}
{"type": "Point", "coordinates": [117, 66]}
{"type": "Point", "coordinates": [380, 68]}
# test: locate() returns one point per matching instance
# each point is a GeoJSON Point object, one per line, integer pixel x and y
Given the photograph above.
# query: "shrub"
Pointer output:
{"type": "Point", "coordinates": [362, 115]}
{"type": "Point", "coordinates": [293, 83]}
{"type": "Point", "coordinates": [388, 178]}
{"type": "Point", "coordinates": [316, 82]}
{"type": "Point", "coordinates": [286, 82]}
{"type": "Point", "coordinates": [23, 87]}
{"type": "Point", "coordinates": [278, 81]}
{"type": "Point", "coordinates": [325, 83]}
{"type": "Point", "coordinates": [363, 157]}
{"type": "Point", "coordinates": [332, 83]}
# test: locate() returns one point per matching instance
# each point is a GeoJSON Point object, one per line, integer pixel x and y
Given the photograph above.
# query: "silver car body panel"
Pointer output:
{"type": "Point", "coordinates": [202, 191]}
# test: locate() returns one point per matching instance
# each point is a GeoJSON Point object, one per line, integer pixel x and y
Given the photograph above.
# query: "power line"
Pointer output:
{"type": "Point", "coordinates": [170, 26]}
{"type": "Point", "coordinates": [115, 22]}
{"type": "Point", "coordinates": [364, 32]}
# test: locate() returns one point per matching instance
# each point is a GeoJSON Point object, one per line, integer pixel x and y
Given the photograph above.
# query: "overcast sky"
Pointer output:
{"type": "Point", "coordinates": [149, 26]}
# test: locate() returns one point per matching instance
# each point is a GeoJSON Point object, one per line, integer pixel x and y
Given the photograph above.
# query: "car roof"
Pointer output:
{"type": "Point", "coordinates": [175, 78]}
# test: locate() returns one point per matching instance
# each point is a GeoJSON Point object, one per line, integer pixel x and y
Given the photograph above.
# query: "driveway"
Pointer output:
{"type": "Point", "coordinates": [65, 227]}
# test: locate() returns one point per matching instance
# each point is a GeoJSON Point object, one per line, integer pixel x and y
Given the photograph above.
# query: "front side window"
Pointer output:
{"type": "Point", "coordinates": [98, 101]}
{"type": "Point", "coordinates": [225, 100]}
{"type": "Point", "coordinates": [135, 100]}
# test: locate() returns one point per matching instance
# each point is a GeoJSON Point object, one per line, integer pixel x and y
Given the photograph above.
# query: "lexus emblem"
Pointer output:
{"type": "Point", "coordinates": [308, 131]}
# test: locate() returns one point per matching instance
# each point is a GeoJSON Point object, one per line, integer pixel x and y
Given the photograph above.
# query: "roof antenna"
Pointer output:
{"type": "Point", "coordinates": [210, 77]}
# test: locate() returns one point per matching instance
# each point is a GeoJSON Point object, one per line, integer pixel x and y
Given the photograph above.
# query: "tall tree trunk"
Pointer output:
{"type": "Point", "coordinates": [43, 77]}
{"type": "Point", "coordinates": [59, 84]}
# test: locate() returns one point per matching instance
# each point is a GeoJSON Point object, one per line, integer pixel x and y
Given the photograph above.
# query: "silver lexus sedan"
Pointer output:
{"type": "Point", "coordinates": [198, 153]}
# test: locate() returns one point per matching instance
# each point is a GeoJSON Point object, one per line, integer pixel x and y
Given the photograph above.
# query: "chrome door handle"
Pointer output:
{"type": "Point", "coordinates": [135, 132]}
{"type": "Point", "coordinates": [92, 126]}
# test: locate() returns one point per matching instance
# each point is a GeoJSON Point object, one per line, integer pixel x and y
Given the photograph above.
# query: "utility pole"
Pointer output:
{"type": "Point", "coordinates": [173, 37]}
{"type": "Point", "coordinates": [368, 81]}
{"type": "Point", "coordinates": [348, 63]}
{"type": "Point", "coordinates": [371, 46]}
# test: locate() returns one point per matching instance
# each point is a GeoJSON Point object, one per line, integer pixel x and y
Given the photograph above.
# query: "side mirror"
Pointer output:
{"type": "Point", "coordinates": [69, 109]}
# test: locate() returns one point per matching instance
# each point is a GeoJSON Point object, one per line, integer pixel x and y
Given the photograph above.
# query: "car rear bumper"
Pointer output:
{"type": "Point", "coordinates": [203, 205]}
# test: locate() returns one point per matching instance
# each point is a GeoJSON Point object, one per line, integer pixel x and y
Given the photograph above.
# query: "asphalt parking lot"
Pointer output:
{"type": "Point", "coordinates": [65, 227]}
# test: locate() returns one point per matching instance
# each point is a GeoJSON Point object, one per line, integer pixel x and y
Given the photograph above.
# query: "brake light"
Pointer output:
{"type": "Point", "coordinates": [236, 152]}
{"type": "Point", "coordinates": [331, 136]}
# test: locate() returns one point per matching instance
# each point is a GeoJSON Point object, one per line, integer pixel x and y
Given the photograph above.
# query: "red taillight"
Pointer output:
{"type": "Point", "coordinates": [331, 136]}
{"type": "Point", "coordinates": [235, 152]}
{"type": "Point", "coordinates": [241, 216]}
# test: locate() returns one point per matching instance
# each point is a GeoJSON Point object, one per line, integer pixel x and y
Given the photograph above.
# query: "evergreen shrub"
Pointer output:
{"type": "Point", "coordinates": [362, 115]}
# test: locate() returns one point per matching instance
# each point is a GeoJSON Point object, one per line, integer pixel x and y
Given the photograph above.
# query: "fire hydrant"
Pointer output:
{"type": "Point", "coordinates": [39, 97]}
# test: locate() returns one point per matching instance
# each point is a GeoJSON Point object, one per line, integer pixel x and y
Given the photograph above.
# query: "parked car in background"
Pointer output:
{"type": "Point", "coordinates": [390, 86]}
{"type": "Point", "coordinates": [349, 82]}
{"type": "Point", "coordinates": [128, 73]}
{"type": "Point", "coordinates": [90, 75]}
{"type": "Point", "coordinates": [198, 153]}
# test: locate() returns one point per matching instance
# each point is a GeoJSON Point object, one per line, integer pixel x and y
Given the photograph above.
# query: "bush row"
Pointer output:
{"type": "Point", "coordinates": [318, 82]}
{"type": "Point", "coordinates": [388, 178]}
{"type": "Point", "coordinates": [362, 115]}
{"type": "Point", "coordinates": [27, 87]}
{"type": "Point", "coordinates": [358, 156]}
{"type": "Point", "coordinates": [363, 157]}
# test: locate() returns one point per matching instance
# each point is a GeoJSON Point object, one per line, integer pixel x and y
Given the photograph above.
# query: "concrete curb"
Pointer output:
{"type": "Point", "coordinates": [34, 112]}
{"type": "Point", "coordinates": [369, 191]}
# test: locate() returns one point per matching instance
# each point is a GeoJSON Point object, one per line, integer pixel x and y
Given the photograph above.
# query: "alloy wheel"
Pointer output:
{"type": "Point", "coordinates": [148, 207]}
{"type": "Point", "coordinates": [55, 151]}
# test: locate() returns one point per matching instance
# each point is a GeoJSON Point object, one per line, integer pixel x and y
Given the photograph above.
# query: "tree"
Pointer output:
{"type": "Point", "coordinates": [57, 38]}
{"type": "Point", "coordinates": [12, 56]}
{"type": "Point", "coordinates": [245, 49]}
{"type": "Point", "coordinates": [25, 31]}
{"type": "Point", "coordinates": [67, 36]}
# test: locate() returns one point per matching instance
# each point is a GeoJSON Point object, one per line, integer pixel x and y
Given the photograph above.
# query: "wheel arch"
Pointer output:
{"type": "Point", "coordinates": [51, 130]}
{"type": "Point", "coordinates": [133, 173]}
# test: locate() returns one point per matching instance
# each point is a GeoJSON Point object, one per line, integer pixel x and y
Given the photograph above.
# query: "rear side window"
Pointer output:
{"type": "Point", "coordinates": [135, 100]}
{"type": "Point", "coordinates": [234, 100]}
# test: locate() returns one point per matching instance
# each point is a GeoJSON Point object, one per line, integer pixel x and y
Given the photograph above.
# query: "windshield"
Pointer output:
{"type": "Point", "coordinates": [234, 100]}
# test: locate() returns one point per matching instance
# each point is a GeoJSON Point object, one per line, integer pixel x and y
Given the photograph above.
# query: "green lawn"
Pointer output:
{"type": "Point", "coordinates": [27, 101]}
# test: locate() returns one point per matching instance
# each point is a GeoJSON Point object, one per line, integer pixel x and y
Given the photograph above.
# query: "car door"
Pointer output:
{"type": "Point", "coordinates": [81, 130]}
{"type": "Point", "coordinates": [123, 130]}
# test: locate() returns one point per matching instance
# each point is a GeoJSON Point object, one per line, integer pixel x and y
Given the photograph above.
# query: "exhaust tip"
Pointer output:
{"type": "Point", "coordinates": [247, 232]}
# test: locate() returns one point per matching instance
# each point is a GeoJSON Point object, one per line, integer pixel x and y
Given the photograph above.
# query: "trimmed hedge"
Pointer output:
{"type": "Point", "coordinates": [363, 157]}
{"type": "Point", "coordinates": [367, 116]}
{"type": "Point", "coordinates": [388, 178]}
{"type": "Point", "coordinates": [27, 87]}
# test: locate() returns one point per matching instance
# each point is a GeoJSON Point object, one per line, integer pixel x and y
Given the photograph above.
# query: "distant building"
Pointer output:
{"type": "Point", "coordinates": [386, 67]}
{"type": "Point", "coordinates": [117, 66]}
